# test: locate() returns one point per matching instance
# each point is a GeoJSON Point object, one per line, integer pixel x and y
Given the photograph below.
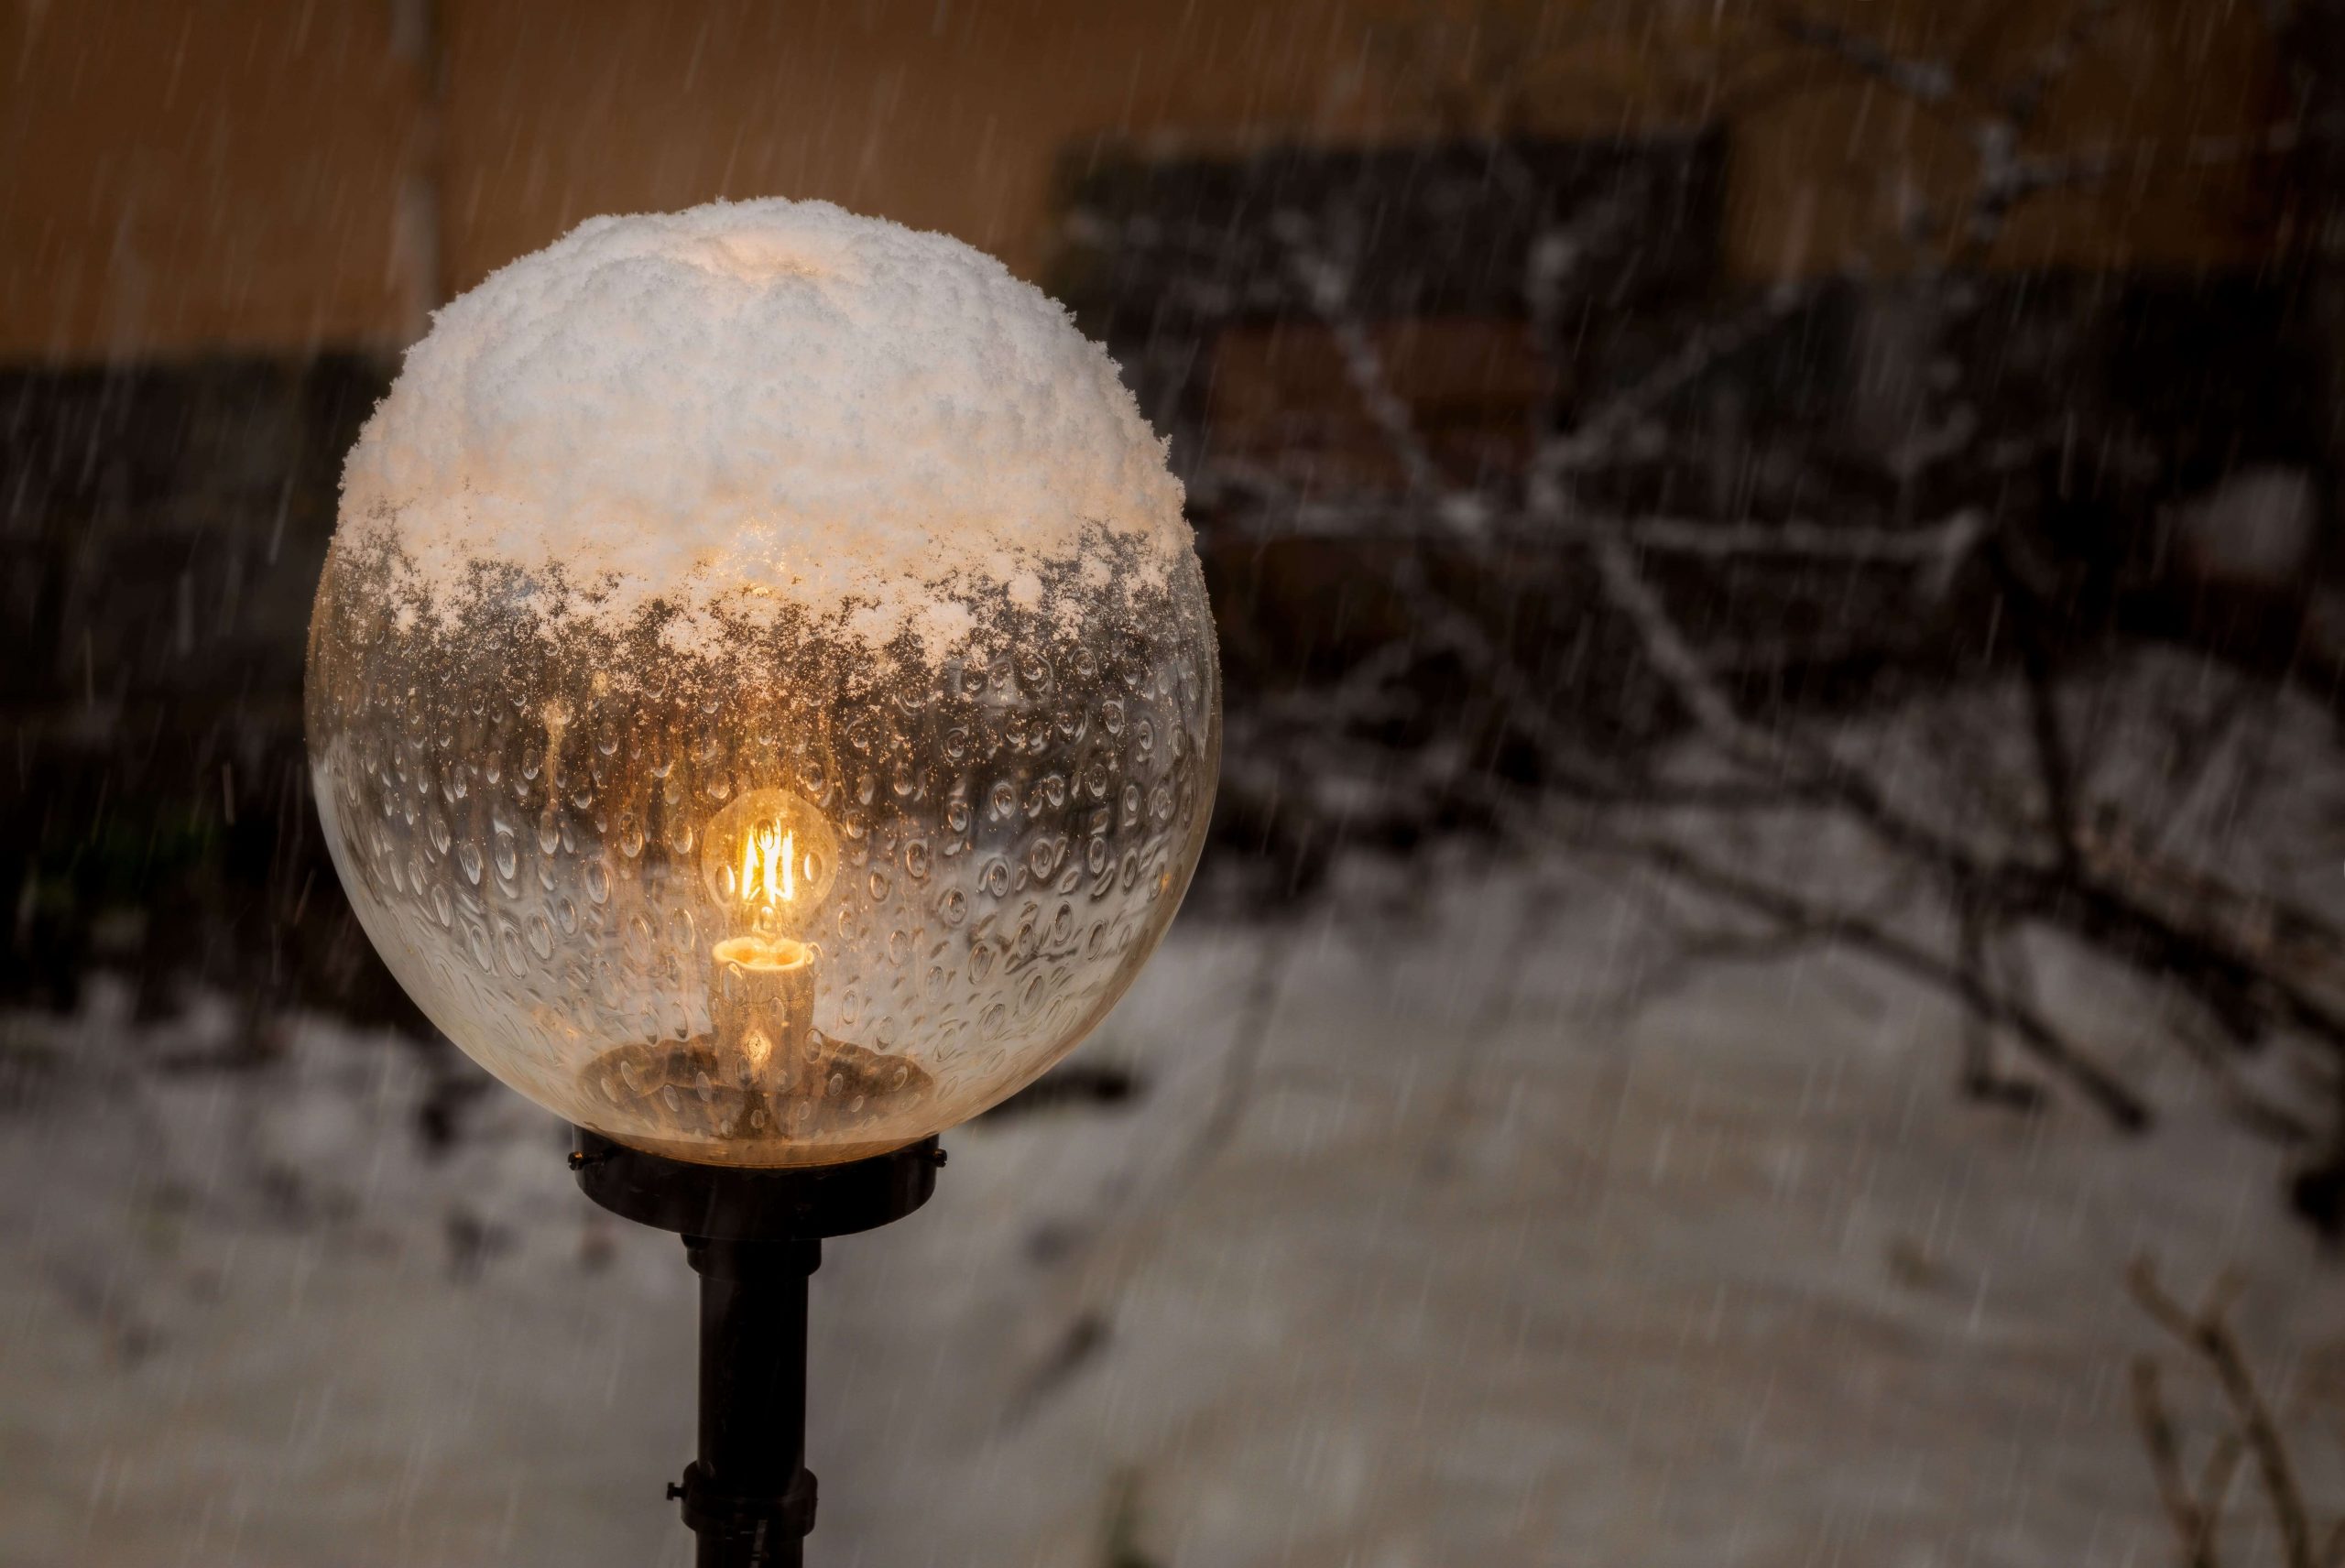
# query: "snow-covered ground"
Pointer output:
{"type": "Point", "coordinates": [1453, 1271]}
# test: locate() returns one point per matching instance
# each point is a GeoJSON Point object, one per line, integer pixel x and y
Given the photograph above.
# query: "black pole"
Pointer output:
{"type": "Point", "coordinates": [755, 1237]}
{"type": "Point", "coordinates": [749, 1496]}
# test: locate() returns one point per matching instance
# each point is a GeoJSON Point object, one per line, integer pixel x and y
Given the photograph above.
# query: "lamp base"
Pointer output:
{"type": "Point", "coordinates": [754, 1236]}
{"type": "Point", "coordinates": [693, 1100]}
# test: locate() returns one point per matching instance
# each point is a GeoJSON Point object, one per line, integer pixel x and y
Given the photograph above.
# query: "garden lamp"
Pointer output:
{"type": "Point", "coordinates": [763, 706]}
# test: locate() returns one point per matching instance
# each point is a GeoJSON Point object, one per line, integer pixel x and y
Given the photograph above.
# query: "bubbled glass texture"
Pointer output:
{"type": "Point", "coordinates": [517, 802]}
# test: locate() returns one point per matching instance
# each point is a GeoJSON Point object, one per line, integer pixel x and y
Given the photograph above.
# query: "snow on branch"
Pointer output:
{"type": "Point", "coordinates": [1930, 82]}
{"type": "Point", "coordinates": [1327, 287]}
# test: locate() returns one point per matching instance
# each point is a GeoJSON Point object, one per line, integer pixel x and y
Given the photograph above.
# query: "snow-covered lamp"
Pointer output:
{"type": "Point", "coordinates": [762, 698]}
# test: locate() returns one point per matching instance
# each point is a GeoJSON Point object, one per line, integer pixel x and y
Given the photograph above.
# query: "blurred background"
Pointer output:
{"type": "Point", "coordinates": [1770, 983]}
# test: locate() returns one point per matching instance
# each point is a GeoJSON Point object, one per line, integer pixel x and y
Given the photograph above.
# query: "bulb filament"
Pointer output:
{"type": "Point", "coordinates": [769, 870]}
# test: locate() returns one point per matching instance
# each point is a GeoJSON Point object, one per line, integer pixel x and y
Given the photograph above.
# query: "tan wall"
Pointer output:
{"type": "Point", "coordinates": [177, 177]}
{"type": "Point", "coordinates": [277, 173]}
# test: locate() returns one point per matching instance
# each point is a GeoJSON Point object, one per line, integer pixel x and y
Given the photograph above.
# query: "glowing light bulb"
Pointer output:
{"type": "Point", "coordinates": [764, 713]}
{"type": "Point", "coordinates": [770, 858]}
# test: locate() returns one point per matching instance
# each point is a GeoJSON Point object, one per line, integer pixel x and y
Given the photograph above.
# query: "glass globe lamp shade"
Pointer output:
{"type": "Point", "coordinates": [759, 714]}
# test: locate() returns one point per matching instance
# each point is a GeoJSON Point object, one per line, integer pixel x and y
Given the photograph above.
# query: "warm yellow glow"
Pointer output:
{"type": "Point", "coordinates": [768, 867]}
{"type": "Point", "coordinates": [759, 953]}
{"type": "Point", "coordinates": [771, 857]}
{"type": "Point", "coordinates": [757, 1049]}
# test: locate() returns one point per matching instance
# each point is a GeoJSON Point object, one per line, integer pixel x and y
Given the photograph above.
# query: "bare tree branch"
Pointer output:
{"type": "Point", "coordinates": [2054, 858]}
{"type": "Point", "coordinates": [2207, 1334]}
{"type": "Point", "coordinates": [2100, 1087]}
{"type": "Point", "coordinates": [2194, 1522]}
